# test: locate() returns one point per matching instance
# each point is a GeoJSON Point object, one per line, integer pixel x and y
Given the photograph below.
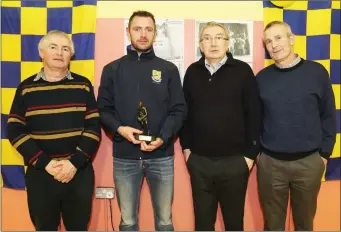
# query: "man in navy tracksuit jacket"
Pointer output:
{"type": "Point", "coordinates": [140, 76]}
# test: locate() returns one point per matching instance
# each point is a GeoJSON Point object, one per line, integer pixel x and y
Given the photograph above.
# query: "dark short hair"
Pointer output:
{"type": "Point", "coordinates": [141, 13]}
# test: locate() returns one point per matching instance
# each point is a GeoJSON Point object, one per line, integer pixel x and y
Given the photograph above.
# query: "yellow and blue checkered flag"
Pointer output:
{"type": "Point", "coordinates": [316, 25]}
{"type": "Point", "coordinates": [23, 24]}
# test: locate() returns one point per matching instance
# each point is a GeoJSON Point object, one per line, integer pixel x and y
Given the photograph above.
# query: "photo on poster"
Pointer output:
{"type": "Point", "coordinates": [169, 41]}
{"type": "Point", "coordinates": [240, 38]}
{"type": "Point", "coordinates": [180, 66]}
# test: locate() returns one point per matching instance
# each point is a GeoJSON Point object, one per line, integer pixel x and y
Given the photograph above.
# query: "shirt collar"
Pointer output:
{"type": "Point", "coordinates": [219, 64]}
{"type": "Point", "coordinates": [41, 75]}
{"type": "Point", "coordinates": [213, 69]}
{"type": "Point", "coordinates": [292, 64]}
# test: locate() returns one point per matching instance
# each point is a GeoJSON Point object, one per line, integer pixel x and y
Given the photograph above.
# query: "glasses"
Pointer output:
{"type": "Point", "coordinates": [208, 39]}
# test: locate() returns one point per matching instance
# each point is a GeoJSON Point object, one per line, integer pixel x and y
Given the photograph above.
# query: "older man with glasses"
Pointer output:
{"type": "Point", "coordinates": [220, 137]}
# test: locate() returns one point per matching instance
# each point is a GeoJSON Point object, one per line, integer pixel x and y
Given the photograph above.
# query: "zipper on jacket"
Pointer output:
{"type": "Point", "coordinates": [138, 83]}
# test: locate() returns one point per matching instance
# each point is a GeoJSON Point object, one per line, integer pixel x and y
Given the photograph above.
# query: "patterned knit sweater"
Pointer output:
{"type": "Point", "coordinates": [55, 119]}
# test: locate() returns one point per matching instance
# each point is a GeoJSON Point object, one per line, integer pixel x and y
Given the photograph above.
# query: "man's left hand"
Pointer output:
{"type": "Point", "coordinates": [249, 162]}
{"type": "Point", "coordinates": [67, 173]}
{"type": "Point", "coordinates": [152, 146]}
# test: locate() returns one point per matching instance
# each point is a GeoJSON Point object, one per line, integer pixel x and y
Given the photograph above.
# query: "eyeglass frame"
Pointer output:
{"type": "Point", "coordinates": [215, 39]}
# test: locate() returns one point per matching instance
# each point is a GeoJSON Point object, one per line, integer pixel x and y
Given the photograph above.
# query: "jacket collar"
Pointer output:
{"type": "Point", "coordinates": [144, 55]}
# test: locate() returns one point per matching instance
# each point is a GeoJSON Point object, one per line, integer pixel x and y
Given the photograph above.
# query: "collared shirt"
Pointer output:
{"type": "Point", "coordinates": [213, 69]}
{"type": "Point", "coordinates": [296, 61]}
{"type": "Point", "coordinates": [41, 75]}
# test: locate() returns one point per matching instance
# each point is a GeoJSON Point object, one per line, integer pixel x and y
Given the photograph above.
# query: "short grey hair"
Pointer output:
{"type": "Point", "coordinates": [281, 23]}
{"type": "Point", "coordinates": [42, 43]}
{"type": "Point", "coordinates": [213, 24]}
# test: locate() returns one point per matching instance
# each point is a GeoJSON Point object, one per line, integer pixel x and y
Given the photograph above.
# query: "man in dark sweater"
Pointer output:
{"type": "Point", "coordinates": [220, 137]}
{"type": "Point", "coordinates": [54, 124]}
{"type": "Point", "coordinates": [142, 86]}
{"type": "Point", "coordinates": [299, 131]}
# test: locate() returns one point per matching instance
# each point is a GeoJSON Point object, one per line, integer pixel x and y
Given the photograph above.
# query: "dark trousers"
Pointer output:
{"type": "Point", "coordinates": [216, 181]}
{"type": "Point", "coordinates": [302, 178]}
{"type": "Point", "coordinates": [48, 199]}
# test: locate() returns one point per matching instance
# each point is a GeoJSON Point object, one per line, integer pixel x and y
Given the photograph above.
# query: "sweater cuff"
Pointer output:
{"type": "Point", "coordinates": [184, 143]}
{"type": "Point", "coordinates": [251, 153]}
{"type": "Point", "coordinates": [42, 161]}
{"type": "Point", "coordinates": [78, 159]}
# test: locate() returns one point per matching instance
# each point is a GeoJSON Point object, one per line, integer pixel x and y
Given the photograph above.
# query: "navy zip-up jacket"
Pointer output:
{"type": "Point", "coordinates": [149, 79]}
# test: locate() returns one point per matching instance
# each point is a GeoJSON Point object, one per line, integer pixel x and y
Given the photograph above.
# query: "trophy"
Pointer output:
{"type": "Point", "coordinates": [142, 119]}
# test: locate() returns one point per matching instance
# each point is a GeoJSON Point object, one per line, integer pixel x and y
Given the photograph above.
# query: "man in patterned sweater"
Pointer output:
{"type": "Point", "coordinates": [54, 124]}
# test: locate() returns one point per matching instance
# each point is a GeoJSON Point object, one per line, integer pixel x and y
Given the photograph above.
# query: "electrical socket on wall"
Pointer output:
{"type": "Point", "coordinates": [105, 192]}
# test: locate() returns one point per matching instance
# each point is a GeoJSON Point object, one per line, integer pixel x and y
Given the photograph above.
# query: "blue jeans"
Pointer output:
{"type": "Point", "coordinates": [128, 177]}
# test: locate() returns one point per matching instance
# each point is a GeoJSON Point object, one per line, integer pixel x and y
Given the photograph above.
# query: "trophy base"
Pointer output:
{"type": "Point", "coordinates": [146, 138]}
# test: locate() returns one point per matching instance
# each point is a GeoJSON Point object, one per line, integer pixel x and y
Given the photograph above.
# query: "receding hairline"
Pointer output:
{"type": "Point", "coordinates": [213, 24]}
{"type": "Point", "coordinates": [278, 23]}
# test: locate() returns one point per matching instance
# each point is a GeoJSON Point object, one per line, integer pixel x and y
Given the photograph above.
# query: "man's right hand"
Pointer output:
{"type": "Point", "coordinates": [53, 168]}
{"type": "Point", "coordinates": [128, 133]}
{"type": "Point", "coordinates": [187, 153]}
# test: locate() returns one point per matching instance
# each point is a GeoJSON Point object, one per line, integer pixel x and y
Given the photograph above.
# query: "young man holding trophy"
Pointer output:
{"type": "Point", "coordinates": [142, 104]}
